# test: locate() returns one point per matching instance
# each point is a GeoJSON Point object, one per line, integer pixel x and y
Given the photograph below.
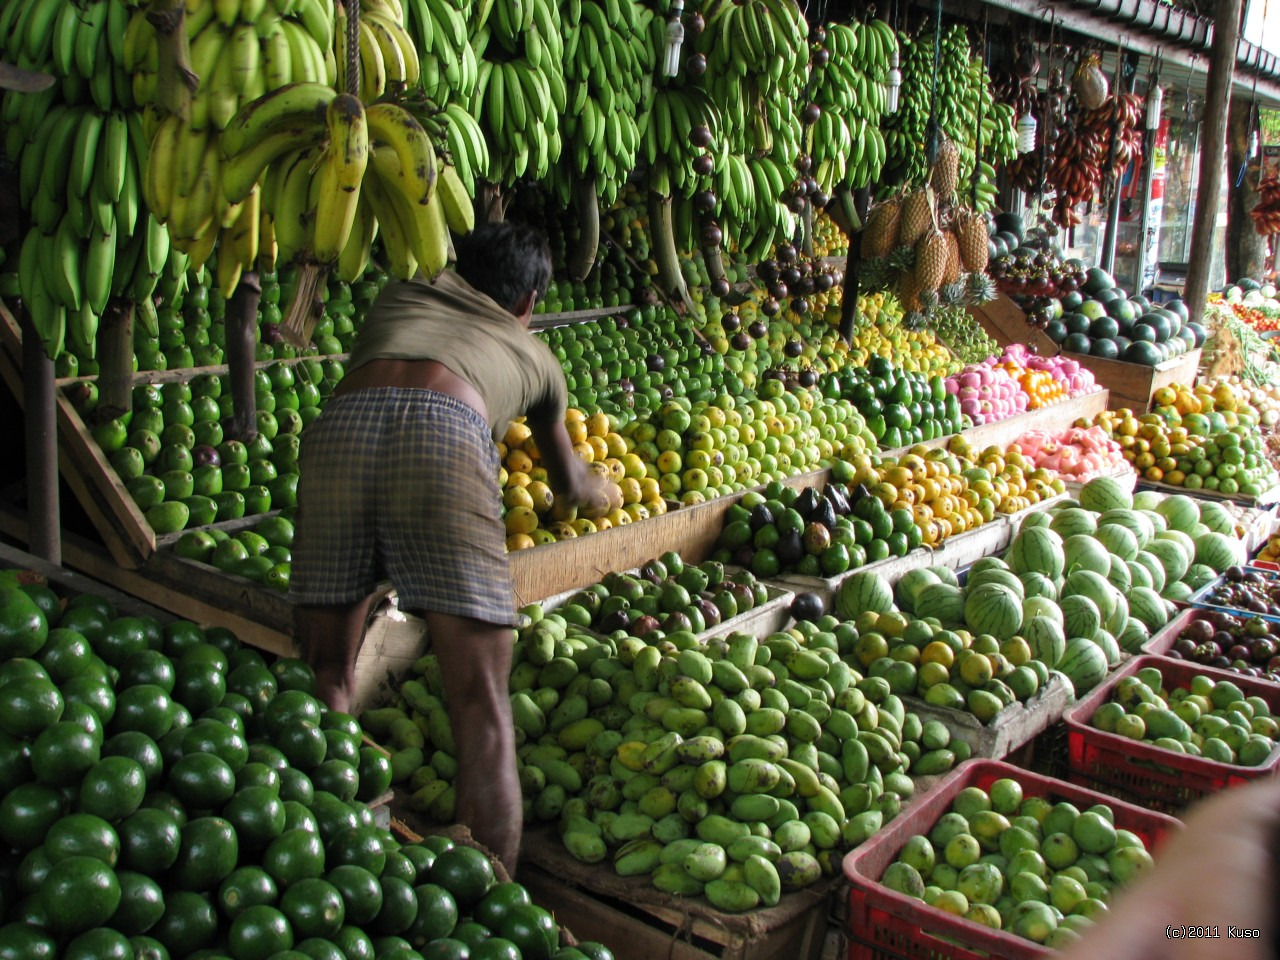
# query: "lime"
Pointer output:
{"type": "Point", "coordinates": [465, 872]}
{"type": "Point", "coordinates": [21, 941]}
{"type": "Point", "coordinates": [337, 777]}
{"type": "Point", "coordinates": [202, 780]}
{"type": "Point", "coordinates": [149, 841]}
{"type": "Point", "coordinates": [314, 907]}
{"type": "Point", "coordinates": [246, 887]}
{"type": "Point", "coordinates": [28, 705]}
{"type": "Point", "coordinates": [532, 929]}
{"type": "Point", "coordinates": [23, 627]}
{"type": "Point", "coordinates": [374, 772]}
{"type": "Point", "coordinates": [82, 835]}
{"type": "Point", "coordinates": [399, 907]}
{"type": "Point", "coordinates": [360, 891]}
{"type": "Point", "coordinates": [290, 705]}
{"type": "Point", "coordinates": [259, 932]}
{"type": "Point", "coordinates": [189, 923]}
{"type": "Point", "coordinates": [62, 753]}
{"type": "Point", "coordinates": [113, 788]}
{"type": "Point", "coordinates": [141, 903]}
{"type": "Point", "coordinates": [437, 915]}
{"type": "Point", "coordinates": [294, 675]}
{"type": "Point", "coordinates": [26, 814]}
{"type": "Point", "coordinates": [120, 639]}
{"type": "Point", "coordinates": [358, 846]}
{"type": "Point", "coordinates": [200, 686]}
{"type": "Point", "coordinates": [102, 943]}
{"type": "Point", "coordinates": [498, 902]}
{"type": "Point", "coordinates": [148, 948]}
{"type": "Point", "coordinates": [354, 943]}
{"type": "Point", "coordinates": [215, 737]}
{"type": "Point", "coordinates": [318, 949]}
{"type": "Point", "coordinates": [303, 743]}
{"type": "Point", "coordinates": [64, 654]}
{"type": "Point", "coordinates": [145, 708]}
{"type": "Point", "coordinates": [207, 856]}
{"type": "Point", "coordinates": [79, 894]}
{"type": "Point", "coordinates": [294, 855]}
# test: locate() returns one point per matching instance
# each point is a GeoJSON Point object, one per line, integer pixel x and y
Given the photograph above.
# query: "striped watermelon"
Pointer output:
{"type": "Point", "coordinates": [1171, 556]}
{"type": "Point", "coordinates": [944, 601]}
{"type": "Point", "coordinates": [1184, 540]}
{"type": "Point", "coordinates": [1215, 517]}
{"type": "Point", "coordinates": [1149, 607]}
{"type": "Point", "coordinates": [1139, 575]}
{"type": "Point", "coordinates": [1041, 607]}
{"type": "Point", "coordinates": [1119, 576]}
{"type": "Point", "coordinates": [1105, 493]}
{"type": "Point", "coordinates": [1109, 646]}
{"type": "Point", "coordinates": [1158, 523]}
{"type": "Point", "coordinates": [863, 592]}
{"type": "Point", "coordinates": [1045, 637]}
{"type": "Point", "coordinates": [1038, 585]}
{"type": "Point", "coordinates": [1118, 540]}
{"type": "Point", "coordinates": [983, 564]}
{"type": "Point", "coordinates": [1179, 511]}
{"type": "Point", "coordinates": [1087, 583]}
{"type": "Point", "coordinates": [908, 588]}
{"type": "Point", "coordinates": [993, 575]}
{"type": "Point", "coordinates": [994, 609]}
{"type": "Point", "coordinates": [1134, 521]}
{"type": "Point", "coordinates": [1084, 664]}
{"type": "Point", "coordinates": [1119, 618]}
{"type": "Point", "coordinates": [1147, 500]}
{"type": "Point", "coordinates": [1218, 551]}
{"type": "Point", "coordinates": [1080, 616]}
{"type": "Point", "coordinates": [1199, 575]}
{"type": "Point", "coordinates": [1037, 550]}
{"type": "Point", "coordinates": [1084, 552]}
{"type": "Point", "coordinates": [1037, 518]}
{"type": "Point", "coordinates": [1155, 568]}
{"type": "Point", "coordinates": [1178, 592]}
{"type": "Point", "coordinates": [945, 575]}
{"type": "Point", "coordinates": [1070, 521]}
{"type": "Point", "coordinates": [1134, 636]}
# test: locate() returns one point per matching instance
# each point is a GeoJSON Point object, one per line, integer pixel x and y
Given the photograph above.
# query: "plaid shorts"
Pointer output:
{"type": "Point", "coordinates": [402, 484]}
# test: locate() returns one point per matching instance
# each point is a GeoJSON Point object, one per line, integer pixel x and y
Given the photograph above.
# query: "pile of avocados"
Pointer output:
{"type": "Point", "coordinates": [1102, 320]}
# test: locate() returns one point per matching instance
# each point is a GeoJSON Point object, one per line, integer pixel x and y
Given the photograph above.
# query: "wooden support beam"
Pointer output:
{"type": "Point", "coordinates": [1213, 154]}
{"type": "Point", "coordinates": [41, 422]}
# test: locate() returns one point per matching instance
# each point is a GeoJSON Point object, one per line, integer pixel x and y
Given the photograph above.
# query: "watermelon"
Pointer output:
{"type": "Point", "coordinates": [1118, 540]}
{"type": "Point", "coordinates": [1184, 540]}
{"type": "Point", "coordinates": [1197, 531]}
{"type": "Point", "coordinates": [1040, 607]}
{"type": "Point", "coordinates": [1087, 583]}
{"type": "Point", "coordinates": [1216, 518]}
{"type": "Point", "coordinates": [1037, 518]}
{"type": "Point", "coordinates": [1178, 592]}
{"type": "Point", "coordinates": [1038, 585]}
{"type": "Point", "coordinates": [1084, 552]}
{"type": "Point", "coordinates": [995, 609]}
{"type": "Point", "coordinates": [1105, 493]}
{"type": "Point", "coordinates": [1179, 511]}
{"type": "Point", "coordinates": [1080, 616]}
{"type": "Point", "coordinates": [1139, 524]}
{"type": "Point", "coordinates": [1119, 576]}
{"type": "Point", "coordinates": [943, 601]}
{"type": "Point", "coordinates": [1119, 618]}
{"type": "Point", "coordinates": [945, 575]}
{"type": "Point", "coordinates": [1109, 646]}
{"type": "Point", "coordinates": [1173, 559]}
{"type": "Point", "coordinates": [1045, 637]}
{"type": "Point", "coordinates": [1134, 635]}
{"type": "Point", "coordinates": [1147, 606]}
{"type": "Point", "coordinates": [983, 564]}
{"type": "Point", "coordinates": [1199, 575]}
{"type": "Point", "coordinates": [1158, 523]}
{"type": "Point", "coordinates": [862, 592]}
{"type": "Point", "coordinates": [1147, 500]}
{"type": "Point", "coordinates": [1071, 521]}
{"type": "Point", "coordinates": [992, 575]}
{"type": "Point", "coordinates": [1037, 550]}
{"type": "Point", "coordinates": [1139, 575]}
{"type": "Point", "coordinates": [1218, 551]}
{"type": "Point", "coordinates": [908, 588]}
{"type": "Point", "coordinates": [1084, 664]}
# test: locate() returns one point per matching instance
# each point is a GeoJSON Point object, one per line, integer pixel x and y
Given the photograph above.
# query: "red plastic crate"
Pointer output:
{"type": "Point", "coordinates": [1153, 776]}
{"type": "Point", "coordinates": [1162, 642]}
{"type": "Point", "coordinates": [887, 925]}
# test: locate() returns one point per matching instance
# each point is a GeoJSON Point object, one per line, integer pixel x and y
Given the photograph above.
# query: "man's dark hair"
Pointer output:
{"type": "Point", "coordinates": [505, 261]}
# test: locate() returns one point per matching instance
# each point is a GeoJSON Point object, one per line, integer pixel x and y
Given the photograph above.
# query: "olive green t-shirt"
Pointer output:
{"type": "Point", "coordinates": [451, 322]}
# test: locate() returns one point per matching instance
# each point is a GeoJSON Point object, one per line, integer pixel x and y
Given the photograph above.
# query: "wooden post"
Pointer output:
{"type": "Point", "coordinates": [241, 322]}
{"type": "Point", "coordinates": [1246, 248]}
{"type": "Point", "coordinates": [115, 361]}
{"type": "Point", "coordinates": [1213, 154]}
{"type": "Point", "coordinates": [41, 424]}
{"type": "Point", "coordinates": [849, 296]}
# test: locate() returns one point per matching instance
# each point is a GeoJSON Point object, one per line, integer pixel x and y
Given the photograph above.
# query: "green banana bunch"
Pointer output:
{"type": "Point", "coordinates": [906, 131]}
{"type": "Point", "coordinates": [608, 73]}
{"type": "Point", "coordinates": [467, 147]}
{"type": "Point", "coordinates": [765, 40]}
{"type": "Point", "coordinates": [77, 42]}
{"type": "Point", "coordinates": [667, 138]}
{"type": "Point", "coordinates": [450, 67]}
{"type": "Point", "coordinates": [520, 93]}
{"type": "Point", "coordinates": [849, 87]}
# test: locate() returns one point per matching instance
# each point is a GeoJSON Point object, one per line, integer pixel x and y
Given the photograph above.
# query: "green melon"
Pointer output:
{"type": "Point", "coordinates": [1084, 552]}
{"type": "Point", "coordinates": [1037, 550]}
{"type": "Point", "coordinates": [1045, 637]}
{"type": "Point", "coordinates": [1147, 606]}
{"type": "Point", "coordinates": [1105, 493]}
{"type": "Point", "coordinates": [862, 592]}
{"type": "Point", "coordinates": [944, 601]}
{"type": "Point", "coordinates": [995, 609]}
{"type": "Point", "coordinates": [1080, 616]}
{"type": "Point", "coordinates": [1179, 511]}
{"type": "Point", "coordinates": [1072, 521]}
{"type": "Point", "coordinates": [1218, 551]}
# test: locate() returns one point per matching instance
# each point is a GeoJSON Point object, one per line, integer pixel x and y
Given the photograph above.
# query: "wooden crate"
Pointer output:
{"type": "Point", "coordinates": [638, 922]}
{"type": "Point", "coordinates": [1130, 384]}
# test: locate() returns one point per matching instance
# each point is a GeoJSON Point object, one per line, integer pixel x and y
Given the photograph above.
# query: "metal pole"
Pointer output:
{"type": "Point", "coordinates": [1213, 155]}
{"type": "Point", "coordinates": [1128, 70]}
{"type": "Point", "coordinates": [44, 533]}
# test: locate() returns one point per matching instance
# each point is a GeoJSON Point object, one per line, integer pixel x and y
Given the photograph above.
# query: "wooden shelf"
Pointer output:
{"type": "Point", "coordinates": [542, 321]}
{"type": "Point", "coordinates": [188, 373]}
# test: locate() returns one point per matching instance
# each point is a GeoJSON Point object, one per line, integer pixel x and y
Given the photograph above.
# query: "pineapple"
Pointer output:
{"type": "Point", "coordinates": [918, 212]}
{"type": "Point", "coordinates": [881, 232]}
{"type": "Point", "coordinates": [972, 231]}
{"type": "Point", "coordinates": [931, 259]}
{"type": "Point", "coordinates": [946, 170]}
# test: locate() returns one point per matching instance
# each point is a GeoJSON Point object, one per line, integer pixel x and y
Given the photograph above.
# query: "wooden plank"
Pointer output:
{"type": "Point", "coordinates": [187, 373]}
{"type": "Point", "coordinates": [85, 468]}
{"type": "Point", "coordinates": [542, 321]}
{"type": "Point", "coordinates": [226, 526]}
{"type": "Point", "coordinates": [204, 583]}
{"type": "Point", "coordinates": [89, 558]}
{"type": "Point", "coordinates": [69, 581]}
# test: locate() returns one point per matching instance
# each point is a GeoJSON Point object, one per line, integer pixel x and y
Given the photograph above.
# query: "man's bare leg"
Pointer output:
{"type": "Point", "coordinates": [475, 662]}
{"type": "Point", "coordinates": [330, 639]}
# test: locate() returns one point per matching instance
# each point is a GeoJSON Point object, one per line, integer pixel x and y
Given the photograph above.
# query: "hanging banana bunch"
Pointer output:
{"type": "Point", "coordinates": [520, 93]}
{"type": "Point", "coordinates": [440, 32]}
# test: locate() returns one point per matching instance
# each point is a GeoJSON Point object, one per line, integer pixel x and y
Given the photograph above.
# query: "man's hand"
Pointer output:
{"type": "Point", "coordinates": [592, 495]}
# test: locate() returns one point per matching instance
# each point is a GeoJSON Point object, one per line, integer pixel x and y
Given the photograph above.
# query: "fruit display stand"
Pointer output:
{"type": "Point", "coordinates": [1157, 778]}
{"type": "Point", "coordinates": [1012, 729]}
{"type": "Point", "coordinates": [1163, 641]}
{"type": "Point", "coordinates": [1130, 384]}
{"type": "Point", "coordinates": [886, 925]}
{"type": "Point", "coordinates": [1202, 598]}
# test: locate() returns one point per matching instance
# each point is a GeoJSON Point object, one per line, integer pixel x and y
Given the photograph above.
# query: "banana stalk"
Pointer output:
{"type": "Point", "coordinates": [176, 81]}
{"type": "Point", "coordinates": [241, 326]}
{"type": "Point", "coordinates": [115, 360]}
{"type": "Point", "coordinates": [584, 258]}
{"type": "Point", "coordinates": [662, 225]}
